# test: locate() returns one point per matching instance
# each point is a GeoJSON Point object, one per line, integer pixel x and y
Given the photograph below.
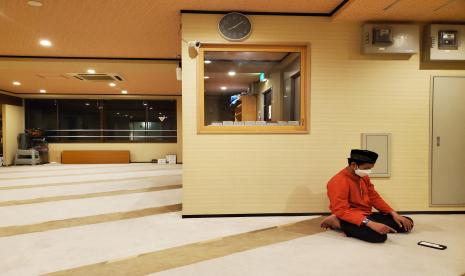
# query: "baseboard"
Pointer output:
{"type": "Point", "coordinates": [431, 212]}
{"type": "Point", "coordinates": [150, 162]}
{"type": "Point", "coordinates": [256, 215]}
{"type": "Point", "coordinates": [315, 214]}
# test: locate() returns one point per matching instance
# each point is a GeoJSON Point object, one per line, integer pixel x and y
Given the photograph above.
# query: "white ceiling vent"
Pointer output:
{"type": "Point", "coordinates": [97, 77]}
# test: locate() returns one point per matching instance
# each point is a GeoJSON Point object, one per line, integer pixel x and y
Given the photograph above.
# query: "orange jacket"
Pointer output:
{"type": "Point", "coordinates": [352, 197]}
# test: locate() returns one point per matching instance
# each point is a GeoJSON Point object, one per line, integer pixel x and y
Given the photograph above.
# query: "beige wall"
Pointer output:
{"type": "Point", "coordinates": [350, 94]}
{"type": "Point", "coordinates": [13, 124]}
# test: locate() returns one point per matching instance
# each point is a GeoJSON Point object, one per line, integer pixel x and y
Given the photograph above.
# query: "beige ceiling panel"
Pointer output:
{"type": "Point", "coordinates": [116, 28]}
{"type": "Point", "coordinates": [141, 77]}
{"type": "Point", "coordinates": [402, 10]}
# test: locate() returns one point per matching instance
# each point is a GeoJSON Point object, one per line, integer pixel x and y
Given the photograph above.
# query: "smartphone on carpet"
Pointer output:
{"type": "Point", "coordinates": [432, 245]}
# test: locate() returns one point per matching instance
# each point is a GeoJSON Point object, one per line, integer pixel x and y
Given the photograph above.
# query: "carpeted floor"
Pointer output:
{"type": "Point", "coordinates": [126, 220]}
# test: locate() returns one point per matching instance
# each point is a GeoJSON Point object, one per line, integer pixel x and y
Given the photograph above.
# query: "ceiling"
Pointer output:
{"type": "Point", "coordinates": [117, 28]}
{"type": "Point", "coordinates": [403, 10]}
{"type": "Point", "coordinates": [150, 29]}
{"type": "Point", "coordinates": [143, 77]}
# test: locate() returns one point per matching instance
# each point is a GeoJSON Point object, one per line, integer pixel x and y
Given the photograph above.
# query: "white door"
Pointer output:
{"type": "Point", "coordinates": [448, 141]}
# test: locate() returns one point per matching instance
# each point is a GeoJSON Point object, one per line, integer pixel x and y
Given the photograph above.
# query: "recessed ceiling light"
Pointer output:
{"type": "Point", "coordinates": [206, 77]}
{"type": "Point", "coordinates": [91, 71]}
{"type": "Point", "coordinates": [45, 42]}
{"type": "Point", "coordinates": [42, 91]}
{"type": "Point", "coordinates": [124, 91]}
{"type": "Point", "coordinates": [87, 104]}
{"type": "Point", "coordinates": [231, 73]}
{"type": "Point", "coordinates": [112, 84]}
{"type": "Point", "coordinates": [16, 83]}
{"type": "Point", "coordinates": [223, 88]}
{"type": "Point", "coordinates": [35, 3]}
{"type": "Point", "coordinates": [208, 61]}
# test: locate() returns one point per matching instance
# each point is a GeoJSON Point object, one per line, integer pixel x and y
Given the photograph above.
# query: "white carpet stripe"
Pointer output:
{"type": "Point", "coordinates": [329, 253]}
{"type": "Point", "coordinates": [55, 167]}
{"type": "Point", "coordinates": [4, 176]}
{"type": "Point", "coordinates": [87, 188]}
{"type": "Point", "coordinates": [72, 247]}
{"type": "Point", "coordinates": [50, 211]}
{"type": "Point", "coordinates": [86, 177]}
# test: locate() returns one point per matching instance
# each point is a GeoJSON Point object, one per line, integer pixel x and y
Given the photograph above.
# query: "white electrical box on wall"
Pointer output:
{"type": "Point", "coordinates": [381, 144]}
{"type": "Point", "coordinates": [390, 39]}
{"type": "Point", "coordinates": [445, 42]}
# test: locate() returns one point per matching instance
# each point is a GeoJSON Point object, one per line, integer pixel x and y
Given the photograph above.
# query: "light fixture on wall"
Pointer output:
{"type": "Point", "coordinates": [207, 61]}
{"type": "Point", "coordinates": [124, 92]}
{"type": "Point", "coordinates": [43, 91]}
{"type": "Point", "coordinates": [231, 73]}
{"type": "Point", "coordinates": [223, 88]}
{"type": "Point", "coordinates": [112, 84]}
{"type": "Point", "coordinates": [206, 77]}
{"type": "Point", "coordinates": [45, 43]}
{"type": "Point", "coordinates": [16, 83]}
{"type": "Point", "coordinates": [91, 71]}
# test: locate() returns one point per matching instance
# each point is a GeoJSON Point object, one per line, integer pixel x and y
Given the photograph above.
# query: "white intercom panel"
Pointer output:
{"type": "Point", "coordinates": [445, 42]}
{"type": "Point", "coordinates": [390, 38]}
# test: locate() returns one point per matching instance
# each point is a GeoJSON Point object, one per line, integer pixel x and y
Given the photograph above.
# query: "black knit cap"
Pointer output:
{"type": "Point", "coordinates": [363, 156]}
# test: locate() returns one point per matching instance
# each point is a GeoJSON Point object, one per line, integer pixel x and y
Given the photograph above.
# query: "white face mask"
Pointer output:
{"type": "Point", "coordinates": [362, 173]}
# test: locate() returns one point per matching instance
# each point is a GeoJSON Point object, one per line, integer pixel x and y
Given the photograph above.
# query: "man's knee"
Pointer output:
{"type": "Point", "coordinates": [378, 238]}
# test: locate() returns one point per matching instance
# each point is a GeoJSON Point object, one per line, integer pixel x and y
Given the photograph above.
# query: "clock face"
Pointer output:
{"type": "Point", "coordinates": [235, 26]}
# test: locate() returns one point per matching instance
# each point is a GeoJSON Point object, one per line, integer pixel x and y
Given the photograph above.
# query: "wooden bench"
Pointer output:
{"type": "Point", "coordinates": [95, 156]}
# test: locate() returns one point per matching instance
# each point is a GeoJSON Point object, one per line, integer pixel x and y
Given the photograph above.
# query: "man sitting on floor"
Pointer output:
{"type": "Point", "coordinates": [352, 196]}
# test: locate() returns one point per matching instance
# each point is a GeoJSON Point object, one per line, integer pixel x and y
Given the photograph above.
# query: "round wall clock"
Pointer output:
{"type": "Point", "coordinates": [235, 26]}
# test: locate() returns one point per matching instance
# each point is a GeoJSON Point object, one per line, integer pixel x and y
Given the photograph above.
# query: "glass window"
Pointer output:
{"type": "Point", "coordinates": [252, 88]}
{"type": "Point", "coordinates": [124, 120]}
{"type": "Point", "coordinates": [79, 120]}
{"type": "Point", "coordinates": [161, 121]}
{"type": "Point", "coordinates": [104, 120]}
{"type": "Point", "coordinates": [42, 114]}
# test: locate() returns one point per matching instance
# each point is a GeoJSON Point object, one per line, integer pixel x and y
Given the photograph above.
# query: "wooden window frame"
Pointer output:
{"type": "Point", "coordinates": [203, 129]}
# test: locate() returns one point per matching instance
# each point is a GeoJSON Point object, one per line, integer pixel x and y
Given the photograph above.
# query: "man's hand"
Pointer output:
{"type": "Point", "coordinates": [402, 221]}
{"type": "Point", "coordinates": [380, 228]}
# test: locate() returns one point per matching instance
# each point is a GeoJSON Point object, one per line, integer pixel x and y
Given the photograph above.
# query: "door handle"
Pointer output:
{"type": "Point", "coordinates": [438, 141]}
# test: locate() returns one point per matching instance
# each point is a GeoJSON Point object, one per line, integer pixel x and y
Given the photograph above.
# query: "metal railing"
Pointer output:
{"type": "Point", "coordinates": [149, 134]}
